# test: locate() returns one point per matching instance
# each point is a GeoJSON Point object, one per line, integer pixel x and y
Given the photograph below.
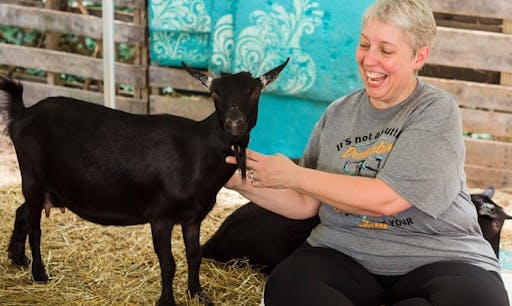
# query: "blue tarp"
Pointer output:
{"type": "Point", "coordinates": [319, 36]}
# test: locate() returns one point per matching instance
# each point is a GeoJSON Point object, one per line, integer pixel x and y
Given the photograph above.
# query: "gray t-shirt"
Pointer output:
{"type": "Point", "coordinates": [417, 148]}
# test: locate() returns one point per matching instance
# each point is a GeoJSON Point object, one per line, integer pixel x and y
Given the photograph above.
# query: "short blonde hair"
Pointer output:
{"type": "Point", "coordinates": [414, 17]}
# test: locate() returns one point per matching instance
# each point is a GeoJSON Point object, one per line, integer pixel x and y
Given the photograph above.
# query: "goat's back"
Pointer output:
{"type": "Point", "coordinates": [93, 159]}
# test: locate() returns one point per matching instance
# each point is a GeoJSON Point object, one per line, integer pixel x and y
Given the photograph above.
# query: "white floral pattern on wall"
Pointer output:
{"type": "Point", "coordinates": [180, 30]}
{"type": "Point", "coordinates": [180, 15]}
{"type": "Point", "coordinates": [276, 35]}
{"type": "Point", "coordinates": [222, 44]}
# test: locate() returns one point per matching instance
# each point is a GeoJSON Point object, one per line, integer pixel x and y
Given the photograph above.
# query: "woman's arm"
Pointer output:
{"type": "Point", "coordinates": [278, 180]}
{"type": "Point", "coordinates": [351, 194]}
{"type": "Point", "coordinates": [286, 202]}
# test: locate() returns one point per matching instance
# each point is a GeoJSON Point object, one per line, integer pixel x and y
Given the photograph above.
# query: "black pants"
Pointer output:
{"type": "Point", "coordinates": [323, 277]}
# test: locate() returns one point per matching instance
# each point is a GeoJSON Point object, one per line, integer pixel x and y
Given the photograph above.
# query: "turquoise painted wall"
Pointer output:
{"type": "Point", "coordinates": [319, 36]}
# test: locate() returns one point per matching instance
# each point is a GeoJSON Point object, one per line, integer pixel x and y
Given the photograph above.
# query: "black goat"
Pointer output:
{"type": "Point", "coordinates": [491, 217]}
{"type": "Point", "coordinates": [115, 168]}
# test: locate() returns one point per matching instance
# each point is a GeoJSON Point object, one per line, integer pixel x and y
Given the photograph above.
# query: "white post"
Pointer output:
{"type": "Point", "coordinates": [109, 81]}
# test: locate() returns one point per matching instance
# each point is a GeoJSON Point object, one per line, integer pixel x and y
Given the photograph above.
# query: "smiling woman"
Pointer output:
{"type": "Point", "coordinates": [376, 194]}
{"type": "Point", "coordinates": [392, 49]}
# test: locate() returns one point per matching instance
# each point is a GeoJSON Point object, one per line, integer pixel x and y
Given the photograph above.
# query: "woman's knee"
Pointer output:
{"type": "Point", "coordinates": [285, 288]}
{"type": "Point", "coordinates": [453, 283]}
{"type": "Point", "coordinates": [302, 280]}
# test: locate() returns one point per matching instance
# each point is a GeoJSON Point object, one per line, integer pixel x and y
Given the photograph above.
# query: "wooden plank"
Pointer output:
{"type": "Point", "coordinates": [488, 163]}
{"type": "Point", "coordinates": [474, 26]}
{"type": "Point", "coordinates": [64, 22]}
{"type": "Point", "coordinates": [123, 3]}
{"type": "Point", "coordinates": [500, 9]}
{"type": "Point", "coordinates": [34, 92]}
{"type": "Point", "coordinates": [473, 94]}
{"type": "Point", "coordinates": [175, 78]}
{"type": "Point", "coordinates": [468, 22]}
{"type": "Point", "coordinates": [482, 177]}
{"type": "Point", "coordinates": [488, 153]}
{"type": "Point", "coordinates": [506, 78]}
{"type": "Point", "coordinates": [196, 108]}
{"type": "Point", "coordinates": [141, 53]}
{"type": "Point", "coordinates": [472, 49]}
{"type": "Point", "coordinates": [478, 121]}
{"type": "Point", "coordinates": [52, 41]}
{"type": "Point", "coordinates": [35, 3]}
{"type": "Point", "coordinates": [62, 62]}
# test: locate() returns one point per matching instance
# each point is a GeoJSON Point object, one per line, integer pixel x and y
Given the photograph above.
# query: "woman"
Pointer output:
{"type": "Point", "coordinates": [384, 169]}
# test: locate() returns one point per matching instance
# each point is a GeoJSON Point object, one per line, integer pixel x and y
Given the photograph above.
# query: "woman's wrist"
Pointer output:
{"type": "Point", "coordinates": [294, 177]}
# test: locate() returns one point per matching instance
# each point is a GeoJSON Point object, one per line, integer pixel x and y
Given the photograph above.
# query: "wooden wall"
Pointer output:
{"type": "Point", "coordinates": [479, 38]}
{"type": "Point", "coordinates": [472, 34]}
{"type": "Point", "coordinates": [48, 18]}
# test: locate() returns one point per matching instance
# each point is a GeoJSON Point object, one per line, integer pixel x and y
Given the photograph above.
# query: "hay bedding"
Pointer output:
{"type": "Point", "coordinates": [91, 264]}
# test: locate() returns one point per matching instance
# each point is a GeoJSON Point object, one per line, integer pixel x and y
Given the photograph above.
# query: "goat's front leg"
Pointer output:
{"type": "Point", "coordinates": [16, 250]}
{"type": "Point", "coordinates": [161, 232]}
{"type": "Point", "coordinates": [193, 250]}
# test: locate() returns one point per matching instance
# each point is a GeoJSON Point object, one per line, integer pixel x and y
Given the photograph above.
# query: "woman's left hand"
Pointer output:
{"type": "Point", "coordinates": [270, 171]}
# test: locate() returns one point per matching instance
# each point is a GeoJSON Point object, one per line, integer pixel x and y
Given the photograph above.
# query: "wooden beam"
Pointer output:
{"type": "Point", "coordinates": [64, 22]}
{"type": "Point", "coordinates": [34, 3]}
{"type": "Point", "coordinates": [52, 41]}
{"type": "Point", "coordinates": [506, 78]}
{"type": "Point", "coordinates": [34, 92]}
{"type": "Point", "coordinates": [476, 95]}
{"type": "Point", "coordinates": [62, 62]}
{"type": "Point", "coordinates": [124, 3]}
{"type": "Point", "coordinates": [175, 78]}
{"type": "Point", "coordinates": [141, 54]}
{"type": "Point", "coordinates": [481, 177]}
{"type": "Point", "coordinates": [489, 153]}
{"type": "Point", "coordinates": [499, 9]}
{"type": "Point", "coordinates": [494, 123]}
{"type": "Point", "coordinates": [472, 49]}
{"type": "Point", "coordinates": [196, 108]}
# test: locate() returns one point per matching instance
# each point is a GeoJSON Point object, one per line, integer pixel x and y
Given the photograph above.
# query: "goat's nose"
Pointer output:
{"type": "Point", "coordinates": [235, 122]}
{"type": "Point", "coordinates": [236, 126]}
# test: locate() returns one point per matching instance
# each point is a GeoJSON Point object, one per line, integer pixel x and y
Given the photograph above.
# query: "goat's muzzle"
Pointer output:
{"type": "Point", "coordinates": [235, 124]}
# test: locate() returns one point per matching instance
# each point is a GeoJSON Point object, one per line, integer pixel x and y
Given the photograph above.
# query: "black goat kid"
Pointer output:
{"type": "Point", "coordinates": [491, 217]}
{"type": "Point", "coordinates": [115, 168]}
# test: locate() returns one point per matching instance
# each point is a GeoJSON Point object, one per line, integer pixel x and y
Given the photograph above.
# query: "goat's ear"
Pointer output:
{"type": "Point", "coordinates": [198, 75]}
{"type": "Point", "coordinates": [269, 76]}
{"type": "Point", "coordinates": [489, 192]}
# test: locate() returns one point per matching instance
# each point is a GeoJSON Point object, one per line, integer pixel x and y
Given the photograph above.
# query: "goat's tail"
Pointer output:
{"type": "Point", "coordinates": [11, 98]}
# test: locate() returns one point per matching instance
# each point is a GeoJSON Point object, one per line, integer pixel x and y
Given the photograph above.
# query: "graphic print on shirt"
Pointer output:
{"type": "Point", "coordinates": [365, 156]}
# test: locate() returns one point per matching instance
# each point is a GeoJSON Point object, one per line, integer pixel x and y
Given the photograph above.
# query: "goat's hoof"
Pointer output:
{"type": "Point", "coordinates": [205, 298]}
{"type": "Point", "coordinates": [19, 260]}
{"type": "Point", "coordinates": [42, 282]}
{"type": "Point", "coordinates": [41, 278]}
{"type": "Point", "coordinates": [166, 302]}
